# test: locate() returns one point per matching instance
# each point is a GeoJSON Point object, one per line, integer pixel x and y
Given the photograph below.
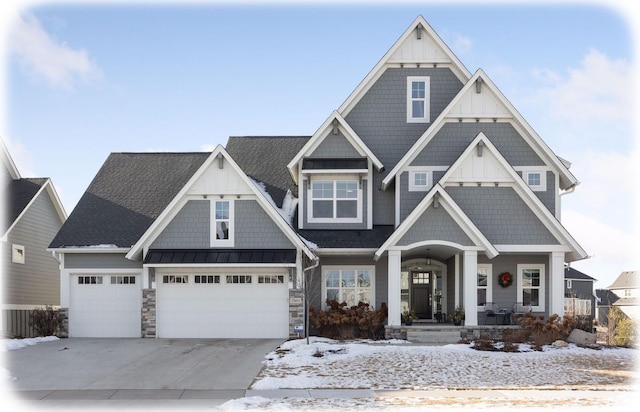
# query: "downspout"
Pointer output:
{"type": "Point", "coordinates": [304, 296]}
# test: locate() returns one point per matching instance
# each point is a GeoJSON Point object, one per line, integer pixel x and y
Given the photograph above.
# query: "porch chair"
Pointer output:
{"type": "Point", "coordinates": [490, 310]}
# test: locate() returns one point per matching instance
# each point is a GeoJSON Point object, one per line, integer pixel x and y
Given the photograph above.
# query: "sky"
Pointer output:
{"type": "Point", "coordinates": [83, 80]}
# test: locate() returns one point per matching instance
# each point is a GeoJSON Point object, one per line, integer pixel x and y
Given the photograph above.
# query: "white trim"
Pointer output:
{"type": "Point", "coordinates": [489, 288]}
{"type": "Point", "coordinates": [569, 283]}
{"type": "Point", "coordinates": [334, 171]}
{"type": "Point", "coordinates": [527, 170]}
{"type": "Point", "coordinates": [532, 248]}
{"type": "Point", "coordinates": [18, 254]}
{"type": "Point", "coordinates": [341, 268]}
{"type": "Point", "coordinates": [89, 249]}
{"type": "Point", "coordinates": [219, 265]}
{"type": "Point", "coordinates": [11, 306]}
{"type": "Point", "coordinates": [213, 241]}
{"type": "Point", "coordinates": [102, 271]}
{"type": "Point", "coordinates": [541, 288]}
{"type": "Point", "coordinates": [370, 197]}
{"type": "Point", "coordinates": [334, 179]}
{"type": "Point", "coordinates": [345, 251]}
{"type": "Point", "coordinates": [8, 160]}
{"type": "Point", "coordinates": [413, 187]}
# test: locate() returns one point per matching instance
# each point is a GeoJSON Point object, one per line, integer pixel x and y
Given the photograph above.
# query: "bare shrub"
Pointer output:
{"type": "Point", "coordinates": [542, 333]}
{"type": "Point", "coordinates": [342, 322]}
{"type": "Point", "coordinates": [46, 321]}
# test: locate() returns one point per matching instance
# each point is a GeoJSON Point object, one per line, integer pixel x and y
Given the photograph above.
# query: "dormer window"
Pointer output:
{"type": "Point", "coordinates": [418, 90]}
{"type": "Point", "coordinates": [335, 200]}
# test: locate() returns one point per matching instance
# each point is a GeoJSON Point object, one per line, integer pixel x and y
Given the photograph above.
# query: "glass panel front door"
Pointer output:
{"type": "Point", "coordinates": [421, 294]}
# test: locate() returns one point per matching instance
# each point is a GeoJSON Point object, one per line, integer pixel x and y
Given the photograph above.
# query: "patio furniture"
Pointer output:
{"type": "Point", "coordinates": [518, 310]}
{"type": "Point", "coordinates": [494, 311]}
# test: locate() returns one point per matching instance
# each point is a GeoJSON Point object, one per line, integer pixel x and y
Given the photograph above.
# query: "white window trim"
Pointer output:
{"type": "Point", "coordinates": [372, 269]}
{"type": "Point", "coordinates": [542, 187]}
{"type": "Point", "coordinates": [420, 188]}
{"type": "Point", "coordinates": [357, 219]}
{"type": "Point", "coordinates": [427, 104]}
{"type": "Point", "coordinates": [569, 284]}
{"type": "Point", "coordinates": [222, 242]}
{"type": "Point", "coordinates": [489, 269]}
{"type": "Point", "coordinates": [540, 267]}
{"type": "Point", "coordinates": [18, 254]}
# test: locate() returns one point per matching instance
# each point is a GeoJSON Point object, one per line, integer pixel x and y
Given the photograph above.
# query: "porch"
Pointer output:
{"type": "Point", "coordinates": [443, 333]}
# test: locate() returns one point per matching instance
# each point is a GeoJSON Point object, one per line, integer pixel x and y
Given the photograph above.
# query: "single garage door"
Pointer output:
{"type": "Point", "coordinates": [103, 305]}
{"type": "Point", "coordinates": [222, 306]}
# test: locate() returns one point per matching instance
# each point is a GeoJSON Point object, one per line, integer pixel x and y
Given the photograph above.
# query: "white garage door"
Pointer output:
{"type": "Point", "coordinates": [222, 306]}
{"type": "Point", "coordinates": [103, 305]}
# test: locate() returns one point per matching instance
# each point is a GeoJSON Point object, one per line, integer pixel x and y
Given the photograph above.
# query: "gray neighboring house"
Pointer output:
{"type": "Point", "coordinates": [422, 190]}
{"type": "Point", "coordinates": [579, 296]}
{"type": "Point", "coordinates": [624, 293]}
{"type": "Point", "coordinates": [32, 215]}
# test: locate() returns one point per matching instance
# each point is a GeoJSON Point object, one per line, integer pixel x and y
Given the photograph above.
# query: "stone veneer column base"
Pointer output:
{"type": "Point", "coordinates": [296, 312]}
{"type": "Point", "coordinates": [148, 313]}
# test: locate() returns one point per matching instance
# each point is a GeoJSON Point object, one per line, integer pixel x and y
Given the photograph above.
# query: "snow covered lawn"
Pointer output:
{"type": "Point", "coordinates": [391, 365]}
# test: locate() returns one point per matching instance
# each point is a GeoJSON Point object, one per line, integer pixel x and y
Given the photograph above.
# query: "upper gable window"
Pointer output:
{"type": "Point", "coordinates": [221, 223]}
{"type": "Point", "coordinates": [419, 180]}
{"type": "Point", "coordinates": [17, 254]}
{"type": "Point", "coordinates": [536, 179]}
{"type": "Point", "coordinates": [418, 99]}
{"type": "Point", "coordinates": [335, 201]}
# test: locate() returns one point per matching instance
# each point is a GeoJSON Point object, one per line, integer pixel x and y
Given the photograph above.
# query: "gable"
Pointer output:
{"type": "Point", "coordinates": [335, 145]}
{"type": "Point", "coordinates": [435, 224]}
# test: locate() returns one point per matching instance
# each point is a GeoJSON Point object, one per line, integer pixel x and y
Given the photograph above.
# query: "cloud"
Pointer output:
{"type": "Point", "coordinates": [39, 53]}
{"type": "Point", "coordinates": [459, 44]}
{"type": "Point", "coordinates": [601, 89]}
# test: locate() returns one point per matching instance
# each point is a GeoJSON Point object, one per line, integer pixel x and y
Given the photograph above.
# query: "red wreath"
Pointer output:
{"type": "Point", "coordinates": [505, 279]}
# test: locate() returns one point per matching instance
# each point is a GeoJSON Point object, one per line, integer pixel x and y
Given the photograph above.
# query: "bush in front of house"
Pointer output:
{"type": "Point", "coordinates": [342, 322]}
{"type": "Point", "coordinates": [46, 321]}
{"type": "Point", "coordinates": [540, 332]}
{"type": "Point", "coordinates": [622, 330]}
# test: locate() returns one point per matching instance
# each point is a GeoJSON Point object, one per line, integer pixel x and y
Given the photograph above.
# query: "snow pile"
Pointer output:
{"type": "Point", "coordinates": [392, 366]}
{"type": "Point", "coordinates": [12, 344]}
{"type": "Point", "coordinates": [289, 202]}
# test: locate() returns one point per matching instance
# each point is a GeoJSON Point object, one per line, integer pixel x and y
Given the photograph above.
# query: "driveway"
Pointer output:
{"type": "Point", "coordinates": [139, 364]}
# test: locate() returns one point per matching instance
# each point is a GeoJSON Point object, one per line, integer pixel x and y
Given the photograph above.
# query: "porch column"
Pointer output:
{"type": "Point", "coordinates": [395, 263]}
{"type": "Point", "coordinates": [470, 286]}
{"type": "Point", "coordinates": [556, 283]}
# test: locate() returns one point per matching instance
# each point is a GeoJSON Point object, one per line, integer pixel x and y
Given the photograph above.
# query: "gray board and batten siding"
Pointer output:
{"type": "Point", "coordinates": [380, 120]}
{"type": "Point", "coordinates": [253, 228]}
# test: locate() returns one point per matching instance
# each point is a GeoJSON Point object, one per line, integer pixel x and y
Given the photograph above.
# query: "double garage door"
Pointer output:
{"type": "Point", "coordinates": [187, 305]}
{"type": "Point", "coordinates": [222, 305]}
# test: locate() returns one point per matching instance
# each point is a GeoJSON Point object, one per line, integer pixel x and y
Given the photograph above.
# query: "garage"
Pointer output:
{"type": "Point", "coordinates": [105, 305]}
{"type": "Point", "coordinates": [222, 305]}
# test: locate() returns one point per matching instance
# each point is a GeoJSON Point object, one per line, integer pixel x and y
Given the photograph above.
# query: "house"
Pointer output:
{"type": "Point", "coordinates": [624, 293]}
{"type": "Point", "coordinates": [579, 297]}
{"type": "Point", "coordinates": [32, 216]}
{"type": "Point", "coordinates": [422, 190]}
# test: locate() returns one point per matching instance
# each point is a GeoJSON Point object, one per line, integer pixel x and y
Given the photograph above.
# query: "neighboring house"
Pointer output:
{"type": "Point", "coordinates": [604, 301]}
{"type": "Point", "coordinates": [626, 289]}
{"type": "Point", "coordinates": [33, 214]}
{"type": "Point", "coordinates": [579, 297]}
{"type": "Point", "coordinates": [419, 191]}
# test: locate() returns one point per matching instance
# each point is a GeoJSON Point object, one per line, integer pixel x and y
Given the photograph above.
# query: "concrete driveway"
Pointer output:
{"type": "Point", "coordinates": [137, 364]}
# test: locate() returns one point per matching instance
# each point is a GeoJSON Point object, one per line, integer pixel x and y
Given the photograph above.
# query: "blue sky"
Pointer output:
{"type": "Point", "coordinates": [82, 81]}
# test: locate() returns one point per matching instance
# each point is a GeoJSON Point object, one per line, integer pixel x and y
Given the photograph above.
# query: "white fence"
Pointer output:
{"type": "Point", "coordinates": [577, 307]}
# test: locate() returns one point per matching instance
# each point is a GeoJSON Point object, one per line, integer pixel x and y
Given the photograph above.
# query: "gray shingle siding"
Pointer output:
{"type": "Point", "coordinates": [453, 138]}
{"type": "Point", "coordinates": [189, 229]}
{"type": "Point", "coordinates": [335, 146]}
{"type": "Point", "coordinates": [36, 282]}
{"type": "Point", "coordinates": [501, 215]}
{"type": "Point", "coordinates": [408, 200]}
{"type": "Point", "coordinates": [302, 208]}
{"type": "Point", "coordinates": [380, 119]}
{"type": "Point", "coordinates": [99, 261]}
{"type": "Point", "coordinates": [435, 224]}
{"type": "Point", "coordinates": [255, 229]}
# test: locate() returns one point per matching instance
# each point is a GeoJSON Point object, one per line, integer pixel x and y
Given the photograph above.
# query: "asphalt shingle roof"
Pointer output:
{"type": "Point", "coordinates": [366, 239]}
{"type": "Point", "coordinates": [571, 273]}
{"type": "Point", "coordinates": [126, 196]}
{"type": "Point", "coordinates": [627, 280]}
{"type": "Point", "coordinates": [265, 159]}
{"type": "Point", "coordinates": [19, 193]}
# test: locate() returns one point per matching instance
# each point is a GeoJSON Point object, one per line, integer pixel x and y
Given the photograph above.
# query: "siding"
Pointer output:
{"type": "Point", "coordinates": [335, 146]}
{"type": "Point", "coordinates": [189, 229]}
{"type": "Point", "coordinates": [99, 261]}
{"type": "Point", "coordinates": [255, 229]}
{"type": "Point", "coordinates": [36, 282]}
{"type": "Point", "coordinates": [380, 120]}
{"type": "Point", "coordinates": [501, 215]}
{"type": "Point", "coordinates": [435, 224]}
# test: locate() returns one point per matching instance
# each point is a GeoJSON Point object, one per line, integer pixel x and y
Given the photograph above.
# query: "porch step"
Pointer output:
{"type": "Point", "coordinates": [433, 336]}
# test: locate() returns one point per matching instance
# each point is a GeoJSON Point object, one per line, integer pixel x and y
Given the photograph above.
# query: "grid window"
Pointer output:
{"type": "Point", "coordinates": [350, 285]}
{"type": "Point", "coordinates": [206, 279]}
{"type": "Point", "coordinates": [239, 279]}
{"type": "Point", "coordinates": [334, 199]}
{"type": "Point", "coordinates": [271, 279]}
{"type": "Point", "coordinates": [123, 280]}
{"type": "Point", "coordinates": [90, 280]}
{"type": "Point", "coordinates": [418, 99]}
{"type": "Point", "coordinates": [172, 279]}
{"type": "Point", "coordinates": [222, 219]}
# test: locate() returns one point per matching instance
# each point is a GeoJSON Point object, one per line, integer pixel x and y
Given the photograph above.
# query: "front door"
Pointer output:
{"type": "Point", "coordinates": [421, 299]}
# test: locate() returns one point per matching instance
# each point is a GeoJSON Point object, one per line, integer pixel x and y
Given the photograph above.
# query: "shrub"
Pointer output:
{"type": "Point", "coordinates": [622, 331]}
{"type": "Point", "coordinates": [46, 321]}
{"type": "Point", "coordinates": [342, 322]}
{"type": "Point", "coordinates": [541, 333]}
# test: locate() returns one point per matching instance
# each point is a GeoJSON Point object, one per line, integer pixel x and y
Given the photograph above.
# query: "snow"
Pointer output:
{"type": "Point", "coordinates": [289, 202]}
{"type": "Point", "coordinates": [394, 365]}
{"type": "Point", "coordinates": [12, 344]}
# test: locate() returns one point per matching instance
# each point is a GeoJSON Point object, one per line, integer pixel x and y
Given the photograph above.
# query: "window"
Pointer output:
{"type": "Point", "coordinates": [238, 278]}
{"type": "Point", "coordinates": [569, 284]}
{"type": "Point", "coordinates": [206, 278]}
{"type": "Point", "coordinates": [419, 180]}
{"type": "Point", "coordinates": [485, 285]}
{"type": "Point", "coordinates": [536, 179]}
{"type": "Point", "coordinates": [531, 286]}
{"type": "Point", "coordinates": [350, 284]}
{"type": "Point", "coordinates": [89, 280]}
{"type": "Point", "coordinates": [333, 200]}
{"type": "Point", "coordinates": [172, 279]}
{"type": "Point", "coordinates": [123, 280]}
{"type": "Point", "coordinates": [271, 279]}
{"type": "Point", "coordinates": [221, 223]}
{"type": "Point", "coordinates": [17, 254]}
{"type": "Point", "coordinates": [418, 99]}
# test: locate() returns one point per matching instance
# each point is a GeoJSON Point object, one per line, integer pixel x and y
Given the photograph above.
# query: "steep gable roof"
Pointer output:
{"type": "Point", "coordinates": [18, 194]}
{"type": "Point", "coordinates": [489, 104]}
{"type": "Point", "coordinates": [125, 197]}
{"type": "Point", "coordinates": [571, 273]}
{"type": "Point", "coordinates": [265, 159]}
{"type": "Point", "coordinates": [419, 44]}
{"type": "Point", "coordinates": [627, 280]}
